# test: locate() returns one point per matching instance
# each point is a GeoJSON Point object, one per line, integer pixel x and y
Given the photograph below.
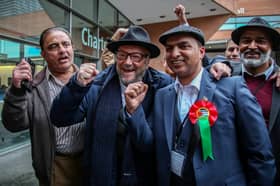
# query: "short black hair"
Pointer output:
{"type": "Point", "coordinates": [48, 30]}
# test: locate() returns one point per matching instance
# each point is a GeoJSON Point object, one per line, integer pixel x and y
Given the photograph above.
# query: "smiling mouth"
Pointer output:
{"type": "Point", "coordinates": [175, 62]}
{"type": "Point", "coordinates": [128, 70]}
{"type": "Point", "coordinates": [252, 55]}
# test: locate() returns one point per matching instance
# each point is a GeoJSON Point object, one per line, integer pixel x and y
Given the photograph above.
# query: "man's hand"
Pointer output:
{"type": "Point", "coordinates": [276, 76]}
{"type": "Point", "coordinates": [21, 72]}
{"type": "Point", "coordinates": [87, 73]}
{"type": "Point", "coordinates": [119, 33]}
{"type": "Point", "coordinates": [219, 70]}
{"type": "Point", "coordinates": [180, 11]}
{"type": "Point", "coordinates": [107, 58]}
{"type": "Point", "coordinates": [134, 95]}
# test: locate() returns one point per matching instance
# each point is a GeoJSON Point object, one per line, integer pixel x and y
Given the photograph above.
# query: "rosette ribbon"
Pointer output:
{"type": "Point", "coordinates": [204, 113]}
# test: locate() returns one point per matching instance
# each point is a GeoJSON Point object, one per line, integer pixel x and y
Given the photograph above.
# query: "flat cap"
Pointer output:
{"type": "Point", "coordinates": [181, 29]}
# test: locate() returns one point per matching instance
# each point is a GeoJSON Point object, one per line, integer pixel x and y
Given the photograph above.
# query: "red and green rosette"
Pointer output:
{"type": "Point", "coordinates": [204, 113]}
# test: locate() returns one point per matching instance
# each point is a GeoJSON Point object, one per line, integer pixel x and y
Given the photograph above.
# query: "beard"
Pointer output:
{"type": "Point", "coordinates": [138, 77]}
{"type": "Point", "coordinates": [248, 62]}
{"type": "Point", "coordinates": [139, 74]}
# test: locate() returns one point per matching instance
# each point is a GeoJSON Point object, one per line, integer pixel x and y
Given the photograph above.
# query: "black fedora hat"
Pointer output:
{"type": "Point", "coordinates": [181, 29]}
{"type": "Point", "coordinates": [135, 35]}
{"type": "Point", "coordinates": [257, 22]}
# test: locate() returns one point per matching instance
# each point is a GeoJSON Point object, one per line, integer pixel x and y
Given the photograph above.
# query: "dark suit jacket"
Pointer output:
{"type": "Point", "coordinates": [274, 129]}
{"type": "Point", "coordinates": [241, 145]}
{"type": "Point", "coordinates": [74, 103]}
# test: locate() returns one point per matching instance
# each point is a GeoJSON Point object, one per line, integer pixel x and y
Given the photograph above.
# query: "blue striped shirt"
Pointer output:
{"type": "Point", "coordinates": [69, 139]}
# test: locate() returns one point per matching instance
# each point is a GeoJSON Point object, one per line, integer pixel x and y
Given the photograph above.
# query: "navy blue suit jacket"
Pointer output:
{"type": "Point", "coordinates": [241, 145]}
{"type": "Point", "coordinates": [75, 102]}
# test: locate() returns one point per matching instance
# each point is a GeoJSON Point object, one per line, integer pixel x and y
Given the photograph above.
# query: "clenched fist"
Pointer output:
{"type": "Point", "coordinates": [134, 95]}
{"type": "Point", "coordinates": [87, 73]}
{"type": "Point", "coordinates": [21, 72]}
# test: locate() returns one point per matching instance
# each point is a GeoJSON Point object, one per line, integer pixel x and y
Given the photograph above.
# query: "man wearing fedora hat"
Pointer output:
{"type": "Point", "coordinates": [256, 41]}
{"type": "Point", "coordinates": [206, 132]}
{"type": "Point", "coordinates": [115, 154]}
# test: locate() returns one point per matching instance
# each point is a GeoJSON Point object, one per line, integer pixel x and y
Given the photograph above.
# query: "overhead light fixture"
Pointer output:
{"type": "Point", "coordinates": [139, 19]}
{"type": "Point", "coordinates": [212, 9]}
{"type": "Point", "coordinates": [162, 16]}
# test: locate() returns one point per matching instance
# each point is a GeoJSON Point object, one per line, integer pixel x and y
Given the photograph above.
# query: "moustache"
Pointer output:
{"type": "Point", "coordinates": [253, 52]}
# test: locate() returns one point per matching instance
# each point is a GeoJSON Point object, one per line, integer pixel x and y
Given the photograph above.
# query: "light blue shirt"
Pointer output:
{"type": "Point", "coordinates": [187, 94]}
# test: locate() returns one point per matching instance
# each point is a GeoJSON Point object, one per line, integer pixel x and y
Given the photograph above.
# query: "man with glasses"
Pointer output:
{"type": "Point", "coordinates": [114, 153]}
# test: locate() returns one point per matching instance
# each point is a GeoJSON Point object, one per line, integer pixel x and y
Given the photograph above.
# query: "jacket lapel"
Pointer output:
{"type": "Point", "coordinates": [169, 107]}
{"type": "Point", "coordinates": [207, 87]}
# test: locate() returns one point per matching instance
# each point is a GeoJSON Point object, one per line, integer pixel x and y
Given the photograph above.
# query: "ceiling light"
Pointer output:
{"type": "Point", "coordinates": [212, 9]}
{"type": "Point", "coordinates": [139, 19]}
{"type": "Point", "coordinates": [162, 16]}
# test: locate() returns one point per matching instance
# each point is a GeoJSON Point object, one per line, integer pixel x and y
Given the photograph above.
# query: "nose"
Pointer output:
{"type": "Point", "coordinates": [235, 52]}
{"type": "Point", "coordinates": [175, 52]}
{"type": "Point", "coordinates": [128, 60]}
{"type": "Point", "coordinates": [61, 48]}
{"type": "Point", "coordinates": [252, 44]}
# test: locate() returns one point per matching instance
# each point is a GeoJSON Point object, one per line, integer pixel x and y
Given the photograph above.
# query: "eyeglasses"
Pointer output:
{"type": "Point", "coordinates": [134, 56]}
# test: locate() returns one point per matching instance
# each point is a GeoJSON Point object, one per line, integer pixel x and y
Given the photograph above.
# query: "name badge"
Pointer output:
{"type": "Point", "coordinates": [177, 162]}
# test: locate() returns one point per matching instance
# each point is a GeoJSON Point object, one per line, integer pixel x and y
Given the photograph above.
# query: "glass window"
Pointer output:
{"type": "Point", "coordinates": [65, 2]}
{"type": "Point", "coordinates": [235, 22]}
{"type": "Point", "coordinates": [107, 16]}
{"type": "Point", "coordinates": [54, 16]}
{"type": "Point", "coordinates": [27, 19]}
{"type": "Point", "coordinates": [10, 54]}
{"type": "Point", "coordinates": [34, 53]}
{"type": "Point", "coordinates": [123, 21]}
{"type": "Point", "coordinates": [85, 37]}
{"type": "Point", "coordinates": [87, 8]}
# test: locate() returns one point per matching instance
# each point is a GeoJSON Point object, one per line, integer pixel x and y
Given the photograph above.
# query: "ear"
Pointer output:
{"type": "Point", "coordinates": [43, 53]}
{"type": "Point", "coordinates": [202, 52]}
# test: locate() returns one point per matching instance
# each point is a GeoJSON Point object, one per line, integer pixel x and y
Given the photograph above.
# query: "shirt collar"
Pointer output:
{"type": "Point", "coordinates": [194, 83]}
{"type": "Point", "coordinates": [50, 76]}
{"type": "Point", "coordinates": [267, 73]}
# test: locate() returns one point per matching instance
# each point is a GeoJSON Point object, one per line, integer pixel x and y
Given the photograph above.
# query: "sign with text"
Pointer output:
{"type": "Point", "coordinates": [92, 41]}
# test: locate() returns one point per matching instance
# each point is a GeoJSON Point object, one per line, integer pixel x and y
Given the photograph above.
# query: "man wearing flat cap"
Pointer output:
{"type": "Point", "coordinates": [256, 41]}
{"type": "Point", "coordinates": [115, 153]}
{"type": "Point", "coordinates": [206, 132]}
